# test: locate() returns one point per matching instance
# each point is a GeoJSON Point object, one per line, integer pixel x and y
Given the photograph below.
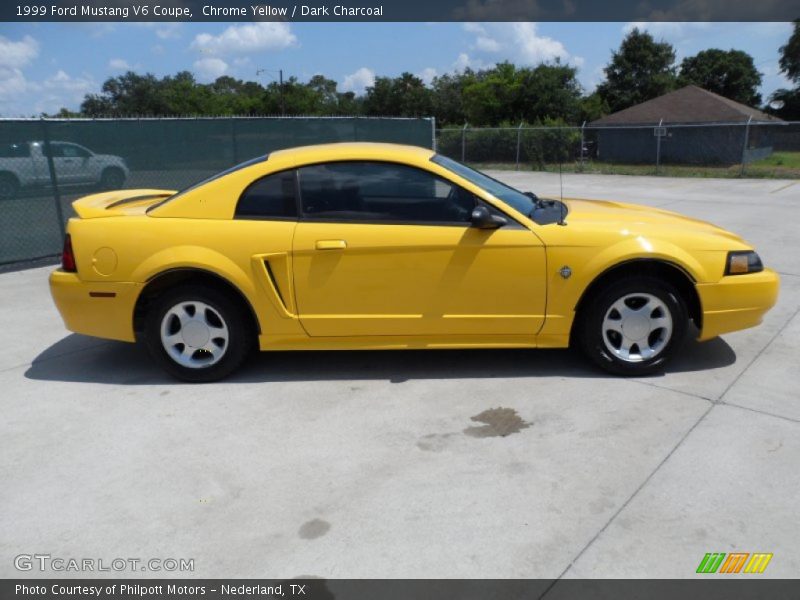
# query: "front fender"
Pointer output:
{"type": "Point", "coordinates": [639, 248]}
{"type": "Point", "coordinates": [587, 264]}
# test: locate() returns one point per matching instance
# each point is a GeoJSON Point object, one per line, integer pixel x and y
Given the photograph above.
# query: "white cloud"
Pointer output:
{"type": "Point", "coordinates": [20, 96]}
{"type": "Point", "coordinates": [95, 30]}
{"type": "Point", "coordinates": [670, 29]}
{"type": "Point", "coordinates": [532, 48]}
{"type": "Point", "coordinates": [462, 62]}
{"type": "Point", "coordinates": [119, 64]}
{"type": "Point", "coordinates": [17, 54]}
{"type": "Point", "coordinates": [168, 30]}
{"type": "Point", "coordinates": [517, 42]}
{"type": "Point", "coordinates": [243, 39]}
{"type": "Point", "coordinates": [359, 81]}
{"type": "Point", "coordinates": [428, 74]}
{"type": "Point", "coordinates": [12, 82]}
{"type": "Point", "coordinates": [210, 68]}
{"type": "Point", "coordinates": [163, 31]}
{"type": "Point", "coordinates": [483, 42]}
{"type": "Point", "coordinates": [487, 44]}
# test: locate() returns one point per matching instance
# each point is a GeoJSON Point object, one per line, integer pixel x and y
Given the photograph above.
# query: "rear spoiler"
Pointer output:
{"type": "Point", "coordinates": [119, 202]}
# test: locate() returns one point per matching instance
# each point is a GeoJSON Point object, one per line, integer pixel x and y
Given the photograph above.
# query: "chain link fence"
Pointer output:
{"type": "Point", "coordinates": [718, 150]}
{"type": "Point", "coordinates": [46, 164]}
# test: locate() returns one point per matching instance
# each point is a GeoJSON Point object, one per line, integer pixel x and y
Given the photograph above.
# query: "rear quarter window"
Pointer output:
{"type": "Point", "coordinates": [14, 150]}
{"type": "Point", "coordinates": [271, 197]}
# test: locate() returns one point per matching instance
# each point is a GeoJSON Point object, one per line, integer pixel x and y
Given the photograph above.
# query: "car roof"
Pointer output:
{"type": "Point", "coordinates": [189, 203]}
{"type": "Point", "coordinates": [345, 150]}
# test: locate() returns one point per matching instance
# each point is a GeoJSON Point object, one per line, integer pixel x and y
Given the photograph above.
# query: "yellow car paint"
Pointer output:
{"type": "Point", "coordinates": [326, 285]}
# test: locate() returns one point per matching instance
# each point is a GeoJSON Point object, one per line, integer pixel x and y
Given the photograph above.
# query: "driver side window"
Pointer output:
{"type": "Point", "coordinates": [72, 151]}
{"type": "Point", "coordinates": [381, 192]}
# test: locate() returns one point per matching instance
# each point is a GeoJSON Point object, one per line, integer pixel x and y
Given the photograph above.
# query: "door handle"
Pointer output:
{"type": "Point", "coordinates": [331, 245]}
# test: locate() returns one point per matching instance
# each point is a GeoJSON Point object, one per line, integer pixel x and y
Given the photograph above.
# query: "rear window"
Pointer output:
{"type": "Point", "coordinates": [14, 150]}
{"type": "Point", "coordinates": [245, 164]}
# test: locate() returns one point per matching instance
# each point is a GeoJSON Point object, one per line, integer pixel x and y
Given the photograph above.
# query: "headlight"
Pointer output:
{"type": "Point", "coordinates": [741, 262]}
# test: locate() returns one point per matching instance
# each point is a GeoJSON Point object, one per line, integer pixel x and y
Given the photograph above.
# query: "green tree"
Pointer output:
{"type": "Point", "coordinates": [128, 94]}
{"type": "Point", "coordinates": [404, 96]}
{"type": "Point", "coordinates": [237, 97]}
{"type": "Point", "coordinates": [447, 93]}
{"type": "Point", "coordinates": [592, 108]}
{"type": "Point", "coordinates": [493, 95]}
{"type": "Point", "coordinates": [510, 94]}
{"type": "Point", "coordinates": [790, 55]}
{"type": "Point", "coordinates": [550, 91]}
{"type": "Point", "coordinates": [787, 101]}
{"type": "Point", "coordinates": [642, 69]}
{"type": "Point", "coordinates": [729, 73]}
{"type": "Point", "coordinates": [182, 95]}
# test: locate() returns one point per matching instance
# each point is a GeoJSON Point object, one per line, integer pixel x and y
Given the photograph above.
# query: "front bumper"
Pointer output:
{"type": "Point", "coordinates": [736, 302]}
{"type": "Point", "coordinates": [99, 309]}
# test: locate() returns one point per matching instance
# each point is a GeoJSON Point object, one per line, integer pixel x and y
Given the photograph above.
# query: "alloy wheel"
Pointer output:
{"type": "Point", "coordinates": [194, 334]}
{"type": "Point", "coordinates": [637, 327]}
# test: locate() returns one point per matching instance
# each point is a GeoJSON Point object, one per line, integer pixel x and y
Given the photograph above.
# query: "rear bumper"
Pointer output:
{"type": "Point", "coordinates": [736, 302]}
{"type": "Point", "coordinates": [99, 309]}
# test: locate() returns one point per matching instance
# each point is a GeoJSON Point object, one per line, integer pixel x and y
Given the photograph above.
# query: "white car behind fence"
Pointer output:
{"type": "Point", "coordinates": [25, 165]}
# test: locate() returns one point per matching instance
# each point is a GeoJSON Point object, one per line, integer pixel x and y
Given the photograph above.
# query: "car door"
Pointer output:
{"type": "Point", "coordinates": [66, 162]}
{"type": "Point", "coordinates": [77, 166]}
{"type": "Point", "coordinates": [386, 249]}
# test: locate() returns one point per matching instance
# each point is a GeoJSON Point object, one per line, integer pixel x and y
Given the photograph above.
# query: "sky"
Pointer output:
{"type": "Point", "coordinates": [46, 66]}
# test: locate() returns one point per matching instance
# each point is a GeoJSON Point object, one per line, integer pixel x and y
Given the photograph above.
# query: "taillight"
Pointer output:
{"type": "Point", "coordinates": [68, 257]}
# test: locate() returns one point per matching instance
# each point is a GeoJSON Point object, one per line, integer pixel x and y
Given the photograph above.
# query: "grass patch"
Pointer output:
{"type": "Point", "coordinates": [779, 165]}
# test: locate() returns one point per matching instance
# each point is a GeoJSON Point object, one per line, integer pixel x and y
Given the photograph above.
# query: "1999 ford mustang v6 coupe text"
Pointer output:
{"type": "Point", "coordinates": [380, 246]}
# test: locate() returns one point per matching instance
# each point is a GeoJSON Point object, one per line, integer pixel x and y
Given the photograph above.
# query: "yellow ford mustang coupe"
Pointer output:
{"type": "Point", "coordinates": [381, 246]}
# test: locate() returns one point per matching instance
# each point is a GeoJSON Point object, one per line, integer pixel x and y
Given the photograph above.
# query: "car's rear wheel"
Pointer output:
{"type": "Point", "coordinates": [633, 326]}
{"type": "Point", "coordinates": [112, 179]}
{"type": "Point", "coordinates": [197, 333]}
{"type": "Point", "coordinates": [9, 186]}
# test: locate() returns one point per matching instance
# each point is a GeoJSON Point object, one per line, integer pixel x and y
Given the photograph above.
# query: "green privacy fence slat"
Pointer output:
{"type": "Point", "coordinates": [159, 153]}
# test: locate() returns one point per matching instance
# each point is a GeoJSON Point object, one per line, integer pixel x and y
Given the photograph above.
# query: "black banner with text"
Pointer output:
{"type": "Point", "coordinates": [707, 588]}
{"type": "Point", "coordinates": [399, 10]}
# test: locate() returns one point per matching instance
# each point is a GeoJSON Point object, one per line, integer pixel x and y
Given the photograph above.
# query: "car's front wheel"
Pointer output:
{"type": "Point", "coordinates": [197, 334]}
{"type": "Point", "coordinates": [633, 326]}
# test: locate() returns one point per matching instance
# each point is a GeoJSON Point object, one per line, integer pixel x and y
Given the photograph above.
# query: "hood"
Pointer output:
{"type": "Point", "coordinates": [634, 219]}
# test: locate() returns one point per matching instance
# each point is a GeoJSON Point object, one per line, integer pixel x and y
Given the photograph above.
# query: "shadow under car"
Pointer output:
{"type": "Point", "coordinates": [78, 358]}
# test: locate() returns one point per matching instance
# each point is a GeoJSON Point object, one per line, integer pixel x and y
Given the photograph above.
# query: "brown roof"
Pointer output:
{"type": "Point", "coordinates": [690, 104]}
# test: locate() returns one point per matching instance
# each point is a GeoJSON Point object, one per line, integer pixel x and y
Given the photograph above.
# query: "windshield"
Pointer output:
{"type": "Point", "coordinates": [514, 198]}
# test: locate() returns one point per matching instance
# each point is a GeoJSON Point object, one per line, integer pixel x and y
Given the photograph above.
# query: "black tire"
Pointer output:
{"type": "Point", "coordinates": [112, 178]}
{"type": "Point", "coordinates": [206, 367]}
{"type": "Point", "coordinates": [9, 186]}
{"type": "Point", "coordinates": [605, 346]}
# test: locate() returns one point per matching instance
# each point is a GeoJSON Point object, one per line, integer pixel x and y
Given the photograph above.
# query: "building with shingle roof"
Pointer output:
{"type": "Point", "coordinates": [695, 126]}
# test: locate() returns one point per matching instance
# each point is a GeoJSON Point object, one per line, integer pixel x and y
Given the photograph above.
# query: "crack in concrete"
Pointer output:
{"type": "Point", "coordinates": [678, 445]}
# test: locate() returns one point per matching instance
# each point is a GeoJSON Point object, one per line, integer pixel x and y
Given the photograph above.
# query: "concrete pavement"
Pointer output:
{"type": "Point", "coordinates": [399, 464]}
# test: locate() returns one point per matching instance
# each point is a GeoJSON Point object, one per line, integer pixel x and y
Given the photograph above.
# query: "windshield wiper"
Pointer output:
{"type": "Point", "coordinates": [538, 203]}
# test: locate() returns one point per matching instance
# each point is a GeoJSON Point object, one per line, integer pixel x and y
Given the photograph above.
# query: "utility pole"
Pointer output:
{"type": "Point", "coordinates": [283, 105]}
{"type": "Point", "coordinates": [280, 86]}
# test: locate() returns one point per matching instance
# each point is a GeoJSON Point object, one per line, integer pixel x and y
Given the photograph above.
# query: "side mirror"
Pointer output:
{"type": "Point", "coordinates": [483, 219]}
